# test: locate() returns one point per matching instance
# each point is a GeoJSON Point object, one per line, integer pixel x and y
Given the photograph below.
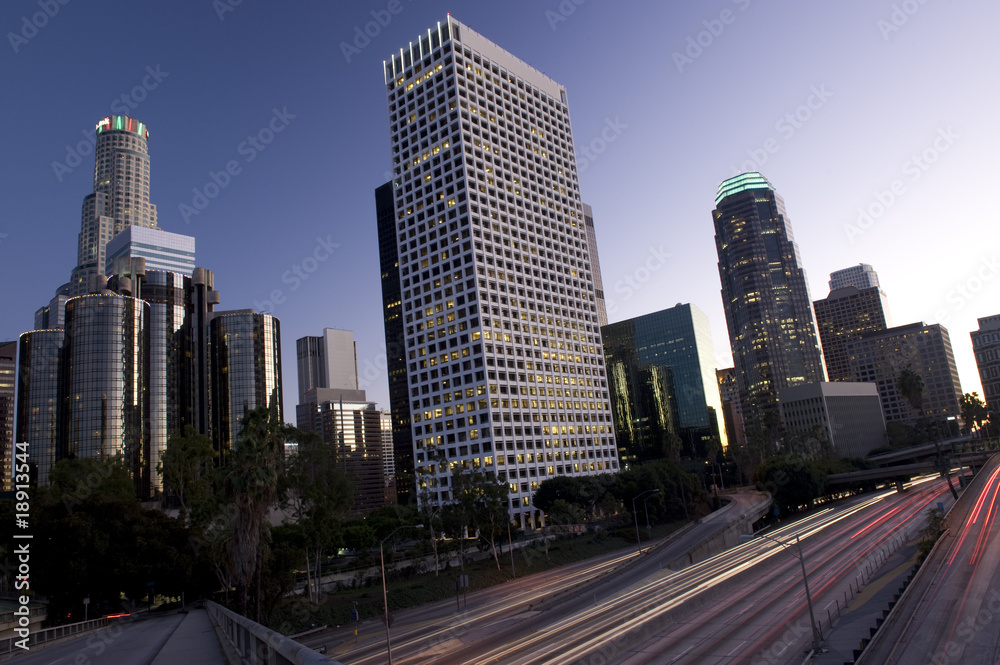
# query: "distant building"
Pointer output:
{"type": "Point", "coordinates": [880, 358]}
{"type": "Point", "coordinates": [765, 295]}
{"type": "Point", "coordinates": [245, 349]}
{"type": "Point", "coordinates": [40, 400]}
{"type": "Point", "coordinates": [170, 252]}
{"type": "Point", "coordinates": [846, 314]}
{"type": "Point", "coordinates": [595, 265]}
{"type": "Point", "coordinates": [354, 431]}
{"type": "Point", "coordinates": [731, 412]}
{"type": "Point", "coordinates": [861, 276]}
{"type": "Point", "coordinates": [8, 374]}
{"type": "Point", "coordinates": [388, 461]}
{"type": "Point", "coordinates": [986, 345]}
{"type": "Point", "coordinates": [329, 361]}
{"type": "Point", "coordinates": [664, 392]}
{"type": "Point", "coordinates": [848, 414]}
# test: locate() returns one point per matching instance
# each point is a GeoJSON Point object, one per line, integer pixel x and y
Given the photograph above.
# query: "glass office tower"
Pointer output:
{"type": "Point", "coordinates": [764, 293]}
{"type": "Point", "coordinates": [39, 399]}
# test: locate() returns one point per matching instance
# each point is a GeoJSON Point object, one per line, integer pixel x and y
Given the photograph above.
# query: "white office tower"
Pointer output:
{"type": "Point", "coordinates": [861, 276]}
{"type": "Point", "coordinates": [504, 361]}
{"type": "Point", "coordinates": [162, 250]}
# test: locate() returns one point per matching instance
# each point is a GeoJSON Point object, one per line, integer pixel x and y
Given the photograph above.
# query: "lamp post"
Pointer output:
{"type": "Point", "coordinates": [636, 516]}
{"type": "Point", "coordinates": [385, 593]}
{"type": "Point", "coordinates": [805, 580]}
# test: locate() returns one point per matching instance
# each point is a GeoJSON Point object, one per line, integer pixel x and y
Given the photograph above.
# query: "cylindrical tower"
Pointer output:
{"type": "Point", "coordinates": [38, 399]}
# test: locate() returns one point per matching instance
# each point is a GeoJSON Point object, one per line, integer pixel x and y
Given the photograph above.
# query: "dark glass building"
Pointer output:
{"type": "Point", "coordinates": [845, 315]}
{"type": "Point", "coordinates": [395, 345]}
{"type": "Point", "coordinates": [39, 399]}
{"type": "Point", "coordinates": [245, 352]}
{"type": "Point", "coordinates": [106, 355]}
{"type": "Point", "coordinates": [664, 391]}
{"type": "Point", "coordinates": [765, 295]}
{"type": "Point", "coordinates": [8, 371]}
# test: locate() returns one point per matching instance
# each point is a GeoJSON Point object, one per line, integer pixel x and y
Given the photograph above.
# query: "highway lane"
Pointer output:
{"type": "Point", "coordinates": [642, 615]}
{"type": "Point", "coordinates": [951, 614]}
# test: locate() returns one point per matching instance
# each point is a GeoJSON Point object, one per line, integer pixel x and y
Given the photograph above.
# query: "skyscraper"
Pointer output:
{"type": "Point", "coordinates": [861, 276]}
{"type": "Point", "coordinates": [505, 364]}
{"type": "Point", "coordinates": [8, 372]}
{"type": "Point", "coordinates": [171, 252]}
{"type": "Point", "coordinates": [39, 399]}
{"type": "Point", "coordinates": [120, 198]}
{"type": "Point", "coordinates": [329, 361]}
{"type": "Point", "coordinates": [664, 390]}
{"type": "Point", "coordinates": [765, 295]}
{"type": "Point", "coordinates": [846, 314]}
{"type": "Point", "coordinates": [986, 345]}
{"type": "Point", "coordinates": [595, 264]}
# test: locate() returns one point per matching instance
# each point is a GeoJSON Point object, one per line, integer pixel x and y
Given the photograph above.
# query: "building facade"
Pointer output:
{"type": "Point", "coordinates": [328, 361]}
{"type": "Point", "coordinates": [732, 413]}
{"type": "Point", "coordinates": [765, 295]}
{"type": "Point", "coordinates": [846, 314]}
{"type": "Point", "coordinates": [245, 361]}
{"type": "Point", "coordinates": [861, 276]}
{"type": "Point", "coordinates": [595, 265]}
{"type": "Point", "coordinates": [986, 346]}
{"type": "Point", "coordinates": [881, 357]}
{"type": "Point", "coordinates": [661, 370]}
{"type": "Point", "coordinates": [162, 250]}
{"type": "Point", "coordinates": [8, 374]}
{"type": "Point", "coordinates": [847, 414]}
{"type": "Point", "coordinates": [39, 399]}
{"type": "Point", "coordinates": [505, 367]}
{"type": "Point", "coordinates": [106, 356]}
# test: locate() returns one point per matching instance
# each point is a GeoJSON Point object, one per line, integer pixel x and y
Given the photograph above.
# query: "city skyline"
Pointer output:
{"type": "Point", "coordinates": [285, 155]}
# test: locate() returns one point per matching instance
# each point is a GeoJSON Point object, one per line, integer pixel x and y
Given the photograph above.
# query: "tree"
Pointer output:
{"type": "Point", "coordinates": [319, 496]}
{"type": "Point", "coordinates": [251, 485]}
{"type": "Point", "coordinates": [491, 512]}
{"type": "Point", "coordinates": [974, 411]}
{"type": "Point", "coordinates": [188, 469]}
{"type": "Point", "coordinates": [911, 386]}
{"type": "Point", "coordinates": [792, 482]}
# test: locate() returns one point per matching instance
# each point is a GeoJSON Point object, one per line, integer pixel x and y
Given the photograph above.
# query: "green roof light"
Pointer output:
{"type": "Point", "coordinates": [741, 183]}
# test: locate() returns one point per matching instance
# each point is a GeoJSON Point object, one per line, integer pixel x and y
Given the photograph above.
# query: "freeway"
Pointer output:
{"type": "Point", "coordinates": [743, 605]}
{"type": "Point", "coordinates": [951, 612]}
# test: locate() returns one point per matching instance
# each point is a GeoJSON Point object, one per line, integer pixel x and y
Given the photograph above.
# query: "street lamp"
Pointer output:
{"type": "Point", "coordinates": [385, 594]}
{"type": "Point", "coordinates": [636, 516]}
{"type": "Point", "coordinates": [805, 580]}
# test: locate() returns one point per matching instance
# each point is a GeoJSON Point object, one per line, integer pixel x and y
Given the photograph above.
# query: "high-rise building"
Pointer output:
{"type": "Point", "coordinates": [881, 357]}
{"type": "Point", "coordinates": [245, 348]}
{"type": "Point", "coordinates": [39, 399]}
{"type": "Point", "coordinates": [504, 360]}
{"type": "Point", "coordinates": [847, 414]}
{"type": "Point", "coordinates": [661, 369]}
{"type": "Point", "coordinates": [120, 198]}
{"type": "Point", "coordinates": [353, 430]}
{"type": "Point", "coordinates": [765, 295]}
{"type": "Point", "coordinates": [861, 276]}
{"type": "Point", "coordinates": [162, 250]}
{"type": "Point", "coordinates": [105, 380]}
{"type": "Point", "coordinates": [8, 372]}
{"type": "Point", "coordinates": [329, 361]}
{"type": "Point", "coordinates": [846, 314]}
{"type": "Point", "coordinates": [395, 346]}
{"type": "Point", "coordinates": [595, 264]}
{"type": "Point", "coordinates": [986, 345]}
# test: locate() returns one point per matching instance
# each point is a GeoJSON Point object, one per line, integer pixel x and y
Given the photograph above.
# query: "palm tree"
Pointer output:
{"type": "Point", "coordinates": [911, 386]}
{"type": "Point", "coordinates": [251, 484]}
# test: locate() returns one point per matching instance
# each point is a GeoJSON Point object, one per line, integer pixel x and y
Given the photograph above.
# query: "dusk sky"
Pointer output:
{"type": "Point", "coordinates": [884, 106]}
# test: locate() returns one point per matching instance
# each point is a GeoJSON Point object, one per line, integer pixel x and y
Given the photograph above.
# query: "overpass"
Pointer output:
{"type": "Point", "coordinates": [961, 451]}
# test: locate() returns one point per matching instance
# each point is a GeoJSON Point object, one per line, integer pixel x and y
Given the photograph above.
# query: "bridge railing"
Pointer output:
{"type": "Point", "coordinates": [10, 644]}
{"type": "Point", "coordinates": [259, 645]}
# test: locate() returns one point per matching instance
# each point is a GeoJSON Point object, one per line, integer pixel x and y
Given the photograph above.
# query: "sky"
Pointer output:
{"type": "Point", "coordinates": [875, 120]}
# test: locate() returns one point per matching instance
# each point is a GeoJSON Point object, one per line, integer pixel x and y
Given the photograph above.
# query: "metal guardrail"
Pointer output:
{"type": "Point", "coordinates": [7, 644]}
{"type": "Point", "coordinates": [259, 645]}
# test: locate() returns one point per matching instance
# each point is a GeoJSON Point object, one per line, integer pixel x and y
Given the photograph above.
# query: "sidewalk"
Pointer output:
{"type": "Point", "coordinates": [194, 641]}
